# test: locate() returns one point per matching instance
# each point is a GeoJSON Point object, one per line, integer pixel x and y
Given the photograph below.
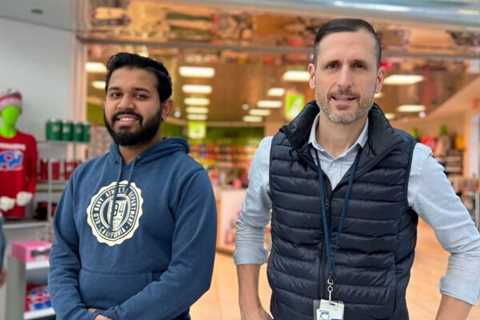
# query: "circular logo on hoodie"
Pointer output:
{"type": "Point", "coordinates": [114, 221]}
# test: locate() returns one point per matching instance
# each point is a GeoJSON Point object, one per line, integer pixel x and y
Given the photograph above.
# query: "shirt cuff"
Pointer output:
{"type": "Point", "coordinates": [461, 289]}
{"type": "Point", "coordinates": [249, 255]}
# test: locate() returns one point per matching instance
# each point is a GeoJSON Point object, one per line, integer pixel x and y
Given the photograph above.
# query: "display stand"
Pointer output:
{"type": "Point", "coordinates": [18, 273]}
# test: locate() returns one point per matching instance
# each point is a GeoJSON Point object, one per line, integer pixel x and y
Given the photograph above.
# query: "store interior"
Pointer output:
{"type": "Point", "coordinates": [239, 73]}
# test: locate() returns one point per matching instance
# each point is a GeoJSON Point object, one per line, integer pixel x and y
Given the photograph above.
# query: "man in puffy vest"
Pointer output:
{"type": "Point", "coordinates": [345, 191]}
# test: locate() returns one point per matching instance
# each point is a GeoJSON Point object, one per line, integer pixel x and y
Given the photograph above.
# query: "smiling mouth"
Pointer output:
{"type": "Point", "coordinates": [126, 119]}
{"type": "Point", "coordinates": [343, 98]}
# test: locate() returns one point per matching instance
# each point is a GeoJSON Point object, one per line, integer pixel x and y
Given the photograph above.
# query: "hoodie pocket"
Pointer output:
{"type": "Point", "coordinates": [104, 290]}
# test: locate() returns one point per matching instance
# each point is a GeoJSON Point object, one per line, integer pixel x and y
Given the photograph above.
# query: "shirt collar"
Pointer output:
{"type": "Point", "coordinates": [361, 141]}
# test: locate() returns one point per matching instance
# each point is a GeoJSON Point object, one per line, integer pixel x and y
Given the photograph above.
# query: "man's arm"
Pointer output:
{"type": "Point", "coordinates": [190, 270]}
{"type": "Point", "coordinates": [453, 309]}
{"type": "Point", "coordinates": [250, 253]}
{"type": "Point", "coordinates": [250, 305]}
{"type": "Point", "coordinates": [65, 263]}
{"type": "Point", "coordinates": [433, 198]}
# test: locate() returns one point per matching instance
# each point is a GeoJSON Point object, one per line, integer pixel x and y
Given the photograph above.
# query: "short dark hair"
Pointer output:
{"type": "Point", "coordinates": [346, 25]}
{"type": "Point", "coordinates": [131, 60]}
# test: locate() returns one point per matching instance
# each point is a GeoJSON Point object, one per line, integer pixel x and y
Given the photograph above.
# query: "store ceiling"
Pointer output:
{"type": "Point", "coordinates": [250, 51]}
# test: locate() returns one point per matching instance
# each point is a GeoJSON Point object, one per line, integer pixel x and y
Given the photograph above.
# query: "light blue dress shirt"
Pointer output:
{"type": "Point", "coordinates": [430, 195]}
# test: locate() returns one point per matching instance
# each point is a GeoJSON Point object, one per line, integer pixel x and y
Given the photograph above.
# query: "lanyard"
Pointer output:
{"type": "Point", "coordinates": [330, 243]}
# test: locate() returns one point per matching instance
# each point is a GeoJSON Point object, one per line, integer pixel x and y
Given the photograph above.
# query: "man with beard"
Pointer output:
{"type": "Point", "coordinates": [345, 191]}
{"type": "Point", "coordinates": [135, 228]}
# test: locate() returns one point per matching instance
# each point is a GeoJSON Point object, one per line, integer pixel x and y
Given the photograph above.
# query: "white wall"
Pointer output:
{"type": "Point", "coordinates": [47, 66]}
{"type": "Point", "coordinates": [42, 63]}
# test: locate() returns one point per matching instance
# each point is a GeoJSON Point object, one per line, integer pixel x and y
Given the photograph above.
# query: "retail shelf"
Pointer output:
{"type": "Point", "coordinates": [36, 314]}
{"type": "Point", "coordinates": [61, 142]}
{"type": "Point", "coordinates": [36, 265]}
{"type": "Point", "coordinates": [25, 224]}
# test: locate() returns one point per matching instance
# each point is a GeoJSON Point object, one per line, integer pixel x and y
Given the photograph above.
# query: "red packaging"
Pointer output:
{"type": "Point", "coordinates": [55, 166]}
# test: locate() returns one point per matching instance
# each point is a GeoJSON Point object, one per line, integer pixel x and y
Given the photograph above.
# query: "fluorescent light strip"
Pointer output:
{"type": "Point", "coordinates": [95, 67]}
{"type": "Point", "coordinates": [197, 88]}
{"type": "Point", "coordinates": [276, 92]}
{"type": "Point", "coordinates": [99, 84]}
{"type": "Point", "coordinates": [259, 112]}
{"type": "Point", "coordinates": [296, 76]}
{"type": "Point", "coordinates": [252, 119]}
{"type": "Point", "coordinates": [411, 108]}
{"type": "Point", "coordinates": [371, 6]}
{"type": "Point", "coordinates": [198, 110]}
{"type": "Point", "coordinates": [195, 101]}
{"type": "Point", "coordinates": [269, 104]}
{"type": "Point", "coordinates": [197, 117]}
{"type": "Point", "coordinates": [197, 72]}
{"type": "Point", "coordinates": [403, 79]}
{"type": "Point", "coordinates": [390, 116]}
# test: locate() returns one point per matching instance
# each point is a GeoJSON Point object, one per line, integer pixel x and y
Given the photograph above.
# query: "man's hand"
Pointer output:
{"type": "Point", "coordinates": [99, 317]}
{"type": "Point", "coordinates": [3, 277]}
{"type": "Point", "coordinates": [259, 314]}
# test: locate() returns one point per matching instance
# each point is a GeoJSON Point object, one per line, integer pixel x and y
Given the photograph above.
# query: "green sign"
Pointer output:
{"type": "Point", "coordinates": [294, 103]}
{"type": "Point", "coordinates": [197, 129]}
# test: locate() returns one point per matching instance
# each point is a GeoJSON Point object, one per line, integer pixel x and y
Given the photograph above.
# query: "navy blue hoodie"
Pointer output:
{"type": "Point", "coordinates": [135, 241]}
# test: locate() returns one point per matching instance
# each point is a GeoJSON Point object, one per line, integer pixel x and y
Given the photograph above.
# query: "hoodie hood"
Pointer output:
{"type": "Point", "coordinates": [165, 147]}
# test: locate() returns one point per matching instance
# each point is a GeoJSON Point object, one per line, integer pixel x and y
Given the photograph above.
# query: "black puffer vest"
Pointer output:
{"type": "Point", "coordinates": [377, 243]}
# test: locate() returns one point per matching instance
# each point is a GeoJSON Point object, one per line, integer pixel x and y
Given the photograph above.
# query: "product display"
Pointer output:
{"type": "Point", "coordinates": [18, 157]}
{"type": "Point", "coordinates": [58, 130]}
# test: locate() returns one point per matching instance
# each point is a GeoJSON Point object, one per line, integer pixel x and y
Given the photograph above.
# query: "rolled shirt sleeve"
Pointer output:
{"type": "Point", "coordinates": [431, 195]}
{"type": "Point", "coordinates": [255, 211]}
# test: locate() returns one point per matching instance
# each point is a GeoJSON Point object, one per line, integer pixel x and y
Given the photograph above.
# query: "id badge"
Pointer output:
{"type": "Point", "coordinates": [328, 310]}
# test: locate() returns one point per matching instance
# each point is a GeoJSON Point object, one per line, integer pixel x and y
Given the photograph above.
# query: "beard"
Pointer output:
{"type": "Point", "coordinates": [349, 117]}
{"type": "Point", "coordinates": [148, 129]}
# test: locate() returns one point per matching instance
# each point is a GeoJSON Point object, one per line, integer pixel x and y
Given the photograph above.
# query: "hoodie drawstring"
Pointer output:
{"type": "Point", "coordinates": [115, 193]}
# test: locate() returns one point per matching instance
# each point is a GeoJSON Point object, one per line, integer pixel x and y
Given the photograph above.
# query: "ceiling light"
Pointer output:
{"type": "Point", "coordinates": [422, 114]}
{"type": "Point", "coordinates": [95, 67]}
{"type": "Point", "coordinates": [296, 76]}
{"type": "Point", "coordinates": [276, 92]}
{"type": "Point", "coordinates": [202, 110]}
{"type": "Point", "coordinates": [197, 72]}
{"type": "Point", "coordinates": [390, 116]}
{"type": "Point", "coordinates": [259, 112]}
{"type": "Point", "coordinates": [378, 95]}
{"type": "Point", "coordinates": [177, 114]}
{"type": "Point", "coordinates": [269, 104]}
{"type": "Point", "coordinates": [193, 101]}
{"type": "Point", "coordinates": [197, 88]}
{"type": "Point", "coordinates": [98, 84]}
{"type": "Point", "coordinates": [197, 117]}
{"type": "Point", "coordinates": [372, 6]}
{"type": "Point", "coordinates": [245, 106]}
{"type": "Point", "coordinates": [252, 119]}
{"type": "Point", "coordinates": [403, 79]}
{"type": "Point", "coordinates": [411, 108]}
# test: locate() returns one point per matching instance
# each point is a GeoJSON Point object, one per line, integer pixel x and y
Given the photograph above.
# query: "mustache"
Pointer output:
{"type": "Point", "coordinates": [117, 115]}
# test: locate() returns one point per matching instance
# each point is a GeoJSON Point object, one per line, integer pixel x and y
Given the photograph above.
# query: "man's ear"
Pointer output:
{"type": "Point", "coordinates": [167, 107]}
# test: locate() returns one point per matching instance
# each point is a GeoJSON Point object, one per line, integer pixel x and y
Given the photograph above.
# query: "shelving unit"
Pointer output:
{"type": "Point", "coordinates": [39, 314]}
{"type": "Point", "coordinates": [17, 276]}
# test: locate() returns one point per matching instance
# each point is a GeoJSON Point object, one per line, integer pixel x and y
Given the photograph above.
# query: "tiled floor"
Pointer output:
{"type": "Point", "coordinates": [220, 303]}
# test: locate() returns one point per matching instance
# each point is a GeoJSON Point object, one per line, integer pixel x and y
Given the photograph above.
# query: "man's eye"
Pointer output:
{"type": "Point", "coordinates": [359, 65]}
{"type": "Point", "coordinates": [142, 96]}
{"type": "Point", "coordinates": [331, 66]}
